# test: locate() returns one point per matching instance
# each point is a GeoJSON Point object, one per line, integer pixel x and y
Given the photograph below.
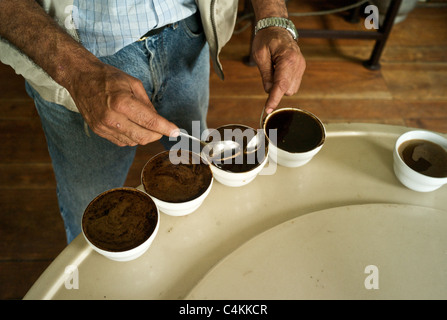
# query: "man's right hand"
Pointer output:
{"type": "Point", "coordinates": [115, 105]}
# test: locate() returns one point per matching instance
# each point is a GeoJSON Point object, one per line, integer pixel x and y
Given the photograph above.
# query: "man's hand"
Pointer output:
{"type": "Point", "coordinates": [280, 63]}
{"type": "Point", "coordinates": [277, 54]}
{"type": "Point", "coordinates": [116, 107]}
{"type": "Point", "coordinates": [114, 104]}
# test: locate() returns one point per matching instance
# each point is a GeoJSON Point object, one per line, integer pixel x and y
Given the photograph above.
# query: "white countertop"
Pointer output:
{"type": "Point", "coordinates": [353, 172]}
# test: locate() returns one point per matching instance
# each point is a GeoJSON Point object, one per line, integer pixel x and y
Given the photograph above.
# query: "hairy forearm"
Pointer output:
{"type": "Point", "coordinates": [27, 26]}
{"type": "Point", "coordinates": [269, 8]}
{"type": "Point", "coordinates": [114, 104]}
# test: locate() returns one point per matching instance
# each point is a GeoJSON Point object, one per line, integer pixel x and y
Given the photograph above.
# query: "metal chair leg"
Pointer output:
{"type": "Point", "coordinates": [381, 36]}
{"type": "Point", "coordinates": [385, 30]}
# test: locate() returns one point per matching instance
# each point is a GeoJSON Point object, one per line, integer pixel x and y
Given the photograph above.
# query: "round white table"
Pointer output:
{"type": "Point", "coordinates": [340, 227]}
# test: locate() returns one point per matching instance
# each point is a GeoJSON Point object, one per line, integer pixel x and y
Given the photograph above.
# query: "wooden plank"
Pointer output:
{"type": "Point", "coordinates": [13, 109]}
{"type": "Point", "coordinates": [12, 85]}
{"type": "Point", "coordinates": [322, 80]}
{"type": "Point", "coordinates": [414, 31]}
{"type": "Point", "coordinates": [434, 124]}
{"type": "Point", "coordinates": [27, 176]}
{"type": "Point", "coordinates": [31, 226]}
{"type": "Point", "coordinates": [248, 111]}
{"type": "Point", "coordinates": [23, 141]}
{"type": "Point", "coordinates": [17, 277]}
{"type": "Point", "coordinates": [416, 81]}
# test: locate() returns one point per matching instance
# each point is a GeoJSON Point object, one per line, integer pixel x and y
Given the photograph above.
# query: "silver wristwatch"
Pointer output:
{"type": "Point", "coordinates": [277, 22]}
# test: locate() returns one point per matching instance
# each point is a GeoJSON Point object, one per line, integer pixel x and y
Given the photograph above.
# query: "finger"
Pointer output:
{"type": "Point", "coordinates": [116, 138]}
{"type": "Point", "coordinates": [118, 129]}
{"type": "Point", "coordinates": [141, 95]}
{"type": "Point", "coordinates": [274, 98]}
{"type": "Point", "coordinates": [108, 129]}
{"type": "Point", "coordinates": [148, 118]}
{"type": "Point", "coordinates": [120, 142]}
{"type": "Point", "coordinates": [287, 80]}
{"type": "Point", "coordinates": [132, 123]}
{"type": "Point", "coordinates": [282, 83]}
{"type": "Point", "coordinates": [137, 134]}
{"type": "Point", "coordinates": [126, 131]}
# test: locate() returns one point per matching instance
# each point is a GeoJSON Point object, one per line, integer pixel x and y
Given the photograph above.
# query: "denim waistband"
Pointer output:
{"type": "Point", "coordinates": [156, 31]}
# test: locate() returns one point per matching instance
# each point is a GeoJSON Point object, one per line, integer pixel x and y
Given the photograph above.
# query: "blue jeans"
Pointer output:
{"type": "Point", "coordinates": [174, 68]}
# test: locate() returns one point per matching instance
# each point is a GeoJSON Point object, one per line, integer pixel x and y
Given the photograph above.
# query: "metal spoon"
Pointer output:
{"type": "Point", "coordinates": [253, 145]}
{"type": "Point", "coordinates": [218, 150]}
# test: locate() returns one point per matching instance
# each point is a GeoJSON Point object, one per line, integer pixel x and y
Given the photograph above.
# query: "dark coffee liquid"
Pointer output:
{"type": "Point", "coordinates": [243, 162]}
{"type": "Point", "coordinates": [425, 157]}
{"type": "Point", "coordinates": [296, 131]}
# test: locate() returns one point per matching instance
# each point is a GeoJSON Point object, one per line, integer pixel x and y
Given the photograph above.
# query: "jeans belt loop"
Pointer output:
{"type": "Point", "coordinates": [153, 32]}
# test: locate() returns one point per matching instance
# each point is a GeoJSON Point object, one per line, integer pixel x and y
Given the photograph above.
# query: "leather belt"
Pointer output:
{"type": "Point", "coordinates": [153, 32]}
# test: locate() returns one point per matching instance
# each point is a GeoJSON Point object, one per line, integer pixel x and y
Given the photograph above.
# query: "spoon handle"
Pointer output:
{"type": "Point", "coordinates": [262, 119]}
{"type": "Point", "coordinates": [192, 137]}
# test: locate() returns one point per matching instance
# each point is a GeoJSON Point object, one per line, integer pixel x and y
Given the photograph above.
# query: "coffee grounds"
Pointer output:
{"type": "Point", "coordinates": [120, 220]}
{"type": "Point", "coordinates": [175, 183]}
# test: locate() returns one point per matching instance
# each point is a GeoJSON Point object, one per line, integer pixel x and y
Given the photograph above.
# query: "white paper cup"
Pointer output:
{"type": "Point", "coordinates": [237, 179]}
{"type": "Point", "coordinates": [182, 204]}
{"type": "Point", "coordinates": [111, 224]}
{"type": "Point", "coordinates": [240, 171]}
{"type": "Point", "coordinates": [305, 139]}
{"type": "Point", "coordinates": [409, 177]}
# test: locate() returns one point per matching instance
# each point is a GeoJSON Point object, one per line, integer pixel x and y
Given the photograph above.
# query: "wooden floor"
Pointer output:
{"type": "Point", "coordinates": [409, 90]}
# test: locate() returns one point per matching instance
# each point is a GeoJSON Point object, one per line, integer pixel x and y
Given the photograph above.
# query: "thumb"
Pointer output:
{"type": "Point", "coordinates": [156, 122]}
{"type": "Point", "coordinates": [147, 117]}
{"type": "Point", "coordinates": [161, 125]}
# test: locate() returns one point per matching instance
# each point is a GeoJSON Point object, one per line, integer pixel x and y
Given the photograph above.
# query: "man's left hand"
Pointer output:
{"type": "Point", "coordinates": [280, 63]}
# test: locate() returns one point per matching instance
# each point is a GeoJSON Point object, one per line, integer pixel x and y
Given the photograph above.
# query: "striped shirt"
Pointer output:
{"type": "Point", "coordinates": [107, 26]}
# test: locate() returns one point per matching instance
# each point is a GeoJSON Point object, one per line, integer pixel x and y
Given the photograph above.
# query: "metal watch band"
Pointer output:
{"type": "Point", "coordinates": [277, 22]}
